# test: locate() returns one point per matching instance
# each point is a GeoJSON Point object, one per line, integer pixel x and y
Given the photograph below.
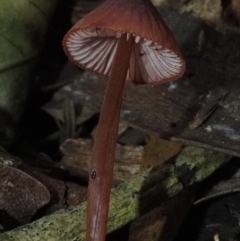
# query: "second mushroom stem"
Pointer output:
{"type": "Point", "coordinates": [103, 156]}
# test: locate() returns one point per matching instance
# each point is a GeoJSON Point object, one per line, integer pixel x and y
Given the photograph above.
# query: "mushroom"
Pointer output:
{"type": "Point", "coordinates": [123, 40]}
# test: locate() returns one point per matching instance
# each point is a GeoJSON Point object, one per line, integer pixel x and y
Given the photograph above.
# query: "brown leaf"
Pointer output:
{"type": "Point", "coordinates": [20, 195]}
{"type": "Point", "coordinates": [62, 192]}
{"type": "Point", "coordinates": [55, 185]}
{"type": "Point", "coordinates": [158, 150]}
{"type": "Point", "coordinates": [49, 173]}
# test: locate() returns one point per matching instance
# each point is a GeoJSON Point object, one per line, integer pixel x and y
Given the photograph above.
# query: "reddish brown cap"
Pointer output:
{"type": "Point", "coordinates": [156, 58]}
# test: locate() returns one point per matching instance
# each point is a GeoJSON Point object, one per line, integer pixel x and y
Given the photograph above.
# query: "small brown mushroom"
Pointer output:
{"type": "Point", "coordinates": [123, 40]}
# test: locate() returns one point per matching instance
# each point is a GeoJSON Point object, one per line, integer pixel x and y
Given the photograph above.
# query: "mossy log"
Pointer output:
{"type": "Point", "coordinates": [129, 200]}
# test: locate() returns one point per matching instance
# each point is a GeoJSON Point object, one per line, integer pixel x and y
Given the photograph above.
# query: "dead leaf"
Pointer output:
{"type": "Point", "coordinates": [62, 192]}
{"type": "Point", "coordinates": [226, 181]}
{"type": "Point", "coordinates": [20, 195]}
{"type": "Point", "coordinates": [158, 150]}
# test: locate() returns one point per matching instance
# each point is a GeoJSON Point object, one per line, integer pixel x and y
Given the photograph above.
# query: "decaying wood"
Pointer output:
{"type": "Point", "coordinates": [77, 153]}
{"type": "Point", "coordinates": [129, 200]}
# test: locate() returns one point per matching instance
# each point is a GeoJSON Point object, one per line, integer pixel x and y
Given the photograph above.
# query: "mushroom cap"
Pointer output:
{"type": "Point", "coordinates": [92, 42]}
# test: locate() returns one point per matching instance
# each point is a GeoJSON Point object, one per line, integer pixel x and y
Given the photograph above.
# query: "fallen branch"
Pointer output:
{"type": "Point", "coordinates": [129, 200]}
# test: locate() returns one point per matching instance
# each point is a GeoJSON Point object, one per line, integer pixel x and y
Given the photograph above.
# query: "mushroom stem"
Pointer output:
{"type": "Point", "coordinates": [103, 156]}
